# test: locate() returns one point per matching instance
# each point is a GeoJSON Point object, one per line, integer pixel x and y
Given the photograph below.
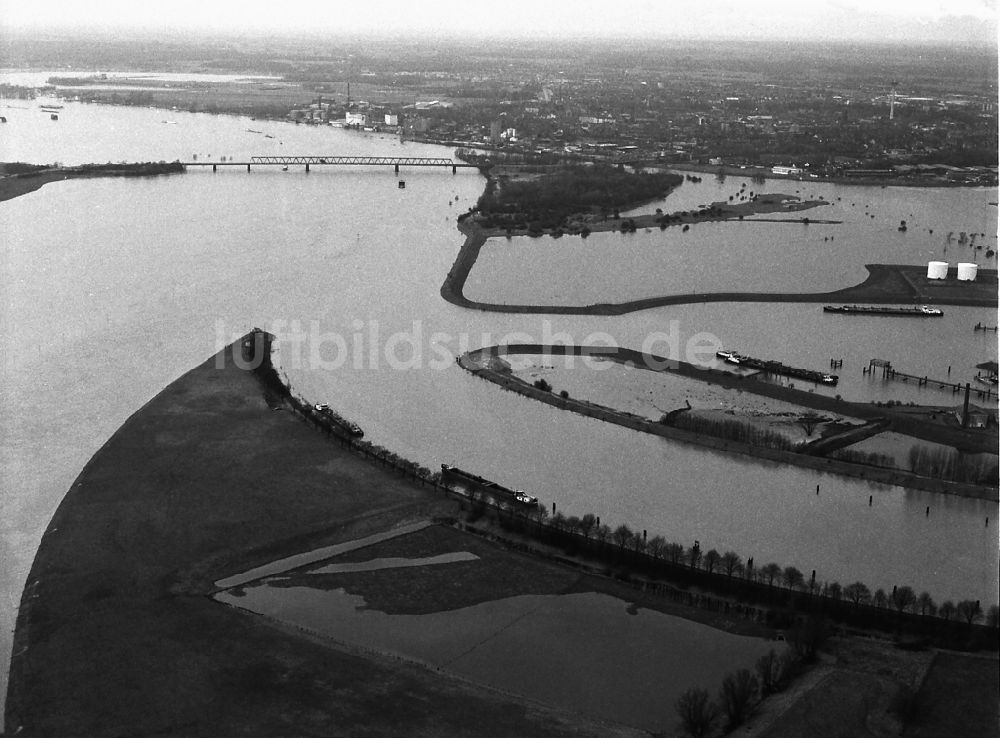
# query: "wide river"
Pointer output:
{"type": "Point", "coordinates": [112, 288]}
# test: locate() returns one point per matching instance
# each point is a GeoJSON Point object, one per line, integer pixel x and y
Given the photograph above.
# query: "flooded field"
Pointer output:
{"type": "Point", "coordinates": [641, 391]}
{"type": "Point", "coordinates": [757, 254]}
{"type": "Point", "coordinates": [547, 648]}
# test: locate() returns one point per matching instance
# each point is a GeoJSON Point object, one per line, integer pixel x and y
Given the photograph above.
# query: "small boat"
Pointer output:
{"type": "Point", "coordinates": [727, 355]}
{"type": "Point", "coordinates": [402, 185]}
{"type": "Point", "coordinates": [284, 168]}
{"type": "Point", "coordinates": [920, 311]}
{"type": "Point", "coordinates": [53, 116]}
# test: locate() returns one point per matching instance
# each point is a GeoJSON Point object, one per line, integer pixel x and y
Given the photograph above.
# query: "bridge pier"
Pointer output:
{"type": "Point", "coordinates": [248, 168]}
{"type": "Point", "coordinates": [396, 168]}
{"type": "Point", "coordinates": [215, 168]}
{"type": "Point", "coordinates": [307, 169]}
{"type": "Point", "coordinates": [454, 169]}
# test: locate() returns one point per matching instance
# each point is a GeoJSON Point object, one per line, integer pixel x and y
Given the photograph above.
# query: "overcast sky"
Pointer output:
{"type": "Point", "coordinates": [954, 21]}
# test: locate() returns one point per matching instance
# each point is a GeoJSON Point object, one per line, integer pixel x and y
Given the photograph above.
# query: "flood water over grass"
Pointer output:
{"type": "Point", "coordinates": [582, 652]}
{"type": "Point", "coordinates": [753, 255]}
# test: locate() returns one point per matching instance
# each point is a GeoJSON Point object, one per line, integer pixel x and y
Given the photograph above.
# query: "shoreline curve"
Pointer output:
{"type": "Point", "coordinates": [471, 362]}
{"type": "Point", "coordinates": [886, 284]}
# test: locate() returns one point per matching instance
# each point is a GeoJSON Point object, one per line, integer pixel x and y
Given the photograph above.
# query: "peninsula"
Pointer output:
{"type": "Point", "coordinates": [488, 363]}
{"type": "Point", "coordinates": [18, 179]}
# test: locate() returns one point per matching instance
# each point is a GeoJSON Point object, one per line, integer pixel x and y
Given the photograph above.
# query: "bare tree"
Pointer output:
{"type": "Point", "coordinates": [770, 572]}
{"type": "Point", "coordinates": [969, 611]}
{"type": "Point", "coordinates": [808, 422]}
{"type": "Point", "coordinates": [947, 610]}
{"type": "Point", "coordinates": [711, 559]}
{"type": "Point", "coordinates": [807, 637]}
{"type": "Point", "coordinates": [638, 542]}
{"type": "Point", "coordinates": [602, 533]}
{"type": "Point", "coordinates": [694, 555]}
{"type": "Point", "coordinates": [656, 546]}
{"type": "Point", "coordinates": [792, 577]}
{"type": "Point", "coordinates": [731, 563]}
{"type": "Point", "coordinates": [737, 694]}
{"type": "Point", "coordinates": [622, 535]}
{"type": "Point", "coordinates": [858, 593]}
{"type": "Point", "coordinates": [697, 712]}
{"type": "Point", "coordinates": [768, 668]}
{"type": "Point", "coordinates": [903, 598]}
{"type": "Point", "coordinates": [879, 599]}
{"type": "Point", "coordinates": [925, 603]}
{"type": "Point", "coordinates": [674, 552]}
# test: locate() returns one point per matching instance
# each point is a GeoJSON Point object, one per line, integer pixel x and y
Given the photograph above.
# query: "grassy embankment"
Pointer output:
{"type": "Point", "coordinates": [117, 634]}
{"type": "Point", "coordinates": [18, 179]}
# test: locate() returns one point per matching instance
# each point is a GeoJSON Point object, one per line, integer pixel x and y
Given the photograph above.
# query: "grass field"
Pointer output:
{"type": "Point", "coordinates": [960, 697]}
{"type": "Point", "coordinates": [115, 635]}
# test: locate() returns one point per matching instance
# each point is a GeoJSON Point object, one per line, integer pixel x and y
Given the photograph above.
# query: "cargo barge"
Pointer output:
{"type": "Point", "coordinates": [923, 311]}
{"type": "Point", "coordinates": [485, 485]}
{"type": "Point", "coordinates": [776, 367]}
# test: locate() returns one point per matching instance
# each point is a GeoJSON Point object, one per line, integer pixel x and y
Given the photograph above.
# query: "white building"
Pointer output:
{"type": "Point", "coordinates": [785, 171]}
{"type": "Point", "coordinates": [356, 119]}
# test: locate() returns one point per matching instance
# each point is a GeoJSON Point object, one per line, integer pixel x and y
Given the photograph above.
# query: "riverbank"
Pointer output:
{"type": "Point", "coordinates": [15, 184]}
{"type": "Point", "coordinates": [477, 362]}
{"type": "Point", "coordinates": [117, 632]}
{"type": "Point", "coordinates": [867, 181]}
{"type": "Point", "coordinates": [117, 629]}
{"type": "Point", "coordinates": [886, 284]}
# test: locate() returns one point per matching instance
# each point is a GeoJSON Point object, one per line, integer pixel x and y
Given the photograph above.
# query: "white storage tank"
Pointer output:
{"type": "Point", "coordinates": [967, 272]}
{"type": "Point", "coordinates": [937, 270]}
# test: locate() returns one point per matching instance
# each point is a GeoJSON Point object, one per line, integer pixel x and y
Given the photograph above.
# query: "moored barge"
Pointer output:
{"type": "Point", "coordinates": [923, 311]}
{"type": "Point", "coordinates": [776, 367]}
{"type": "Point", "coordinates": [349, 426]}
{"type": "Point", "coordinates": [486, 485]}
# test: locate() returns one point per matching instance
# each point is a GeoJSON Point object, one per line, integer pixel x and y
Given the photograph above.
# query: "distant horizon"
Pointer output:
{"type": "Point", "coordinates": [966, 23]}
{"type": "Point", "coordinates": [457, 38]}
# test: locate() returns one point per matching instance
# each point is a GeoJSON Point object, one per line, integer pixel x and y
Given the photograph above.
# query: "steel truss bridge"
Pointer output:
{"type": "Point", "coordinates": [371, 161]}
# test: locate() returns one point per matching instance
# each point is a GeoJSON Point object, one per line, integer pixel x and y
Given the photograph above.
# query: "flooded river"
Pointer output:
{"type": "Point", "coordinates": [115, 287]}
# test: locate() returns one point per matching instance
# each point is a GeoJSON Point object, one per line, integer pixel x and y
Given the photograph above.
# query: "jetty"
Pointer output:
{"type": "Point", "coordinates": [888, 372]}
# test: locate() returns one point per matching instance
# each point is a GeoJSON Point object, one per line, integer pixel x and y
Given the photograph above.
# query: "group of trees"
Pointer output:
{"type": "Point", "coordinates": [730, 574]}
{"type": "Point", "coordinates": [742, 691]}
{"type": "Point", "coordinates": [548, 200]}
{"type": "Point", "coordinates": [952, 465]}
{"type": "Point", "coordinates": [731, 430]}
